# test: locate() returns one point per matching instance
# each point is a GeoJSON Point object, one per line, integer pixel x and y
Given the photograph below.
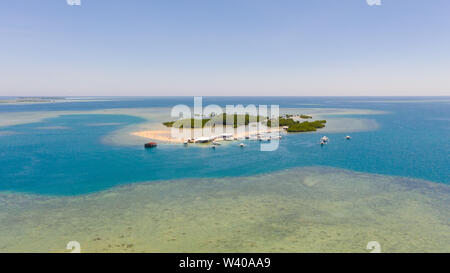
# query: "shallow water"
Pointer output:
{"type": "Point", "coordinates": [78, 152]}
{"type": "Point", "coordinates": [71, 171]}
{"type": "Point", "coordinates": [312, 209]}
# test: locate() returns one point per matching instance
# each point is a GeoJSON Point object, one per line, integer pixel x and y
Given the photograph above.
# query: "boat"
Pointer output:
{"type": "Point", "coordinates": [150, 145]}
{"type": "Point", "coordinates": [348, 137]}
{"type": "Point", "coordinates": [226, 136]}
{"type": "Point", "coordinates": [242, 145]}
{"type": "Point", "coordinates": [202, 140]}
{"type": "Point", "coordinates": [324, 139]}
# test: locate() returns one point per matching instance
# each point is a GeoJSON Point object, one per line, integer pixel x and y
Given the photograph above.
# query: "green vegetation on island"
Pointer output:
{"type": "Point", "coordinates": [239, 120]}
{"type": "Point", "coordinates": [306, 126]}
{"type": "Point", "coordinates": [297, 126]}
{"type": "Point", "coordinates": [185, 123]}
{"type": "Point", "coordinates": [222, 119]}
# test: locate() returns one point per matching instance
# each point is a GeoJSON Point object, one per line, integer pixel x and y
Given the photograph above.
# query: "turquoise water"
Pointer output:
{"type": "Point", "coordinates": [67, 155]}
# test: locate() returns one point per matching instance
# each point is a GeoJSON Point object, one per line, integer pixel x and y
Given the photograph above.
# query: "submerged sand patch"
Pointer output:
{"type": "Point", "coordinates": [152, 128]}
{"type": "Point", "coordinates": [310, 209]}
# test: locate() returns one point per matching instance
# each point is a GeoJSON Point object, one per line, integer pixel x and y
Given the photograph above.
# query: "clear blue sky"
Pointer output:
{"type": "Point", "coordinates": [224, 47]}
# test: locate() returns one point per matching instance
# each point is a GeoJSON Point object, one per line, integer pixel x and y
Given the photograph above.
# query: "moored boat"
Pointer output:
{"type": "Point", "coordinates": [150, 145]}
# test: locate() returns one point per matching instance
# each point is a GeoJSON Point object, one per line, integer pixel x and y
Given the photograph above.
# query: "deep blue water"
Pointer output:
{"type": "Point", "coordinates": [65, 155]}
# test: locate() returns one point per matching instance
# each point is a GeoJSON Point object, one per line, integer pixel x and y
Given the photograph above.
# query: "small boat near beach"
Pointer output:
{"type": "Point", "coordinates": [348, 137]}
{"type": "Point", "coordinates": [203, 140]}
{"type": "Point", "coordinates": [150, 145]}
{"type": "Point", "coordinates": [242, 145]}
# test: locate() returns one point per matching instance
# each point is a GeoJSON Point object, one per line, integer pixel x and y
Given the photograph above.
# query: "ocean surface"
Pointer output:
{"type": "Point", "coordinates": [68, 154]}
{"type": "Point", "coordinates": [71, 171]}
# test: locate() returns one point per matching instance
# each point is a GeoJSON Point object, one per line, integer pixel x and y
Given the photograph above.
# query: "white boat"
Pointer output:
{"type": "Point", "coordinates": [242, 145]}
{"type": "Point", "coordinates": [202, 140]}
{"type": "Point", "coordinates": [324, 139]}
{"type": "Point", "coordinates": [348, 137]}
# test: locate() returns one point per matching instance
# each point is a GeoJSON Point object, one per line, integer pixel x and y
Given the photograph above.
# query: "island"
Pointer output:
{"type": "Point", "coordinates": [292, 124]}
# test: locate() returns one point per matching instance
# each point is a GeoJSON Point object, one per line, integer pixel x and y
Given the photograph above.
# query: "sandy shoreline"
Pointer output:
{"type": "Point", "coordinates": [184, 134]}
